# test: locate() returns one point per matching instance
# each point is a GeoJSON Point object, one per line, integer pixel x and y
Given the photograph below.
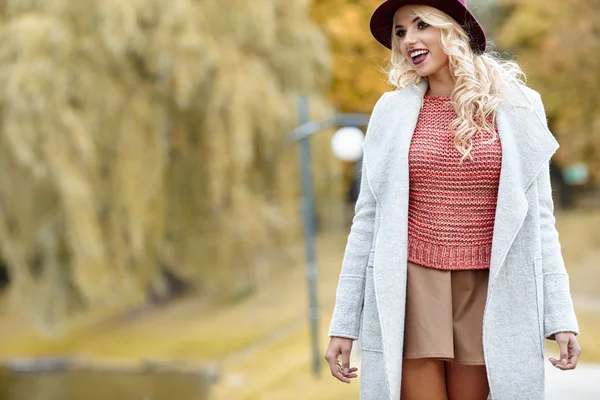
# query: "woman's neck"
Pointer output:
{"type": "Point", "coordinates": [440, 83]}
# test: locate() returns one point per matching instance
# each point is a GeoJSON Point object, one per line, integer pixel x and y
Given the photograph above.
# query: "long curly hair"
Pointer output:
{"type": "Point", "coordinates": [478, 78]}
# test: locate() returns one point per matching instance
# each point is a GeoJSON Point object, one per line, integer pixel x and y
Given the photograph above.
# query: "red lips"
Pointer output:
{"type": "Point", "coordinates": [420, 58]}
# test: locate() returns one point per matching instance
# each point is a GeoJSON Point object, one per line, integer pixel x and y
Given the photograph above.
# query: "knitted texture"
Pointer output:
{"type": "Point", "coordinates": [452, 207]}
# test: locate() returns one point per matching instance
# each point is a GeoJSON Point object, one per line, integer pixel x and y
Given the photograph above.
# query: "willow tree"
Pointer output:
{"type": "Point", "coordinates": [142, 144]}
{"type": "Point", "coordinates": [558, 46]}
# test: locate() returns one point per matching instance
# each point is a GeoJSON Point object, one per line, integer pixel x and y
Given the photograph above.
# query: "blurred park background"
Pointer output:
{"type": "Point", "coordinates": [151, 217]}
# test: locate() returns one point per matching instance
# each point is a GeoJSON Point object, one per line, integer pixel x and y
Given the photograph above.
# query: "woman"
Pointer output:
{"type": "Point", "coordinates": [453, 259]}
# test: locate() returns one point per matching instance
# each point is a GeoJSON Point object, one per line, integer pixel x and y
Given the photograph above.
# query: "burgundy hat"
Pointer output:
{"type": "Point", "coordinates": [383, 19]}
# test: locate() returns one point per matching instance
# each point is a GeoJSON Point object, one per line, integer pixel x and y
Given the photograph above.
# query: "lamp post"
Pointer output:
{"type": "Point", "coordinates": [347, 145]}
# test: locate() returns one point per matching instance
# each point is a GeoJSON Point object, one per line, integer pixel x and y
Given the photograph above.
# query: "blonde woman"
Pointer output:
{"type": "Point", "coordinates": [453, 274]}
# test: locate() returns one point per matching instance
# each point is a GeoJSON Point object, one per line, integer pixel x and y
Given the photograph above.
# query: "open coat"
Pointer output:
{"type": "Point", "coordinates": [528, 292]}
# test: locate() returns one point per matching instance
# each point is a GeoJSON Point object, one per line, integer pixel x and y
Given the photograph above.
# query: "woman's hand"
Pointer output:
{"type": "Point", "coordinates": [569, 351]}
{"type": "Point", "coordinates": [340, 346]}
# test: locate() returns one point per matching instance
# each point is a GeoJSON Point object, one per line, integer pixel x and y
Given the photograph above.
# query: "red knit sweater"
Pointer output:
{"type": "Point", "coordinates": [452, 207]}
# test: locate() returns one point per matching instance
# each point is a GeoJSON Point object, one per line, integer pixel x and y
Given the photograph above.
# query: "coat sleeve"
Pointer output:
{"type": "Point", "coordinates": [559, 313]}
{"type": "Point", "coordinates": [350, 292]}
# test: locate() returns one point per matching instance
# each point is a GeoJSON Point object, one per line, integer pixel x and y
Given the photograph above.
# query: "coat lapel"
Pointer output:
{"type": "Point", "coordinates": [527, 147]}
{"type": "Point", "coordinates": [386, 152]}
{"type": "Point", "coordinates": [389, 140]}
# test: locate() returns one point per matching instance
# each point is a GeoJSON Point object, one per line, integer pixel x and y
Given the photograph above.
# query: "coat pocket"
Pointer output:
{"type": "Point", "coordinates": [539, 290]}
{"type": "Point", "coordinates": [370, 328]}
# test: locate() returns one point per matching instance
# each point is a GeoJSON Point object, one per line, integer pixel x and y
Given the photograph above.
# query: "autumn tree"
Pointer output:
{"type": "Point", "coordinates": [357, 81]}
{"type": "Point", "coordinates": [557, 45]}
{"type": "Point", "coordinates": [142, 147]}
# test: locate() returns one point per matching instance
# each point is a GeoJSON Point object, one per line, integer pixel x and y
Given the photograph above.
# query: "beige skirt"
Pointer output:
{"type": "Point", "coordinates": [444, 314]}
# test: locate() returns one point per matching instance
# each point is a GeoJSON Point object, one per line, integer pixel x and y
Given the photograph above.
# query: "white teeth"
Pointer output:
{"type": "Point", "coordinates": [418, 53]}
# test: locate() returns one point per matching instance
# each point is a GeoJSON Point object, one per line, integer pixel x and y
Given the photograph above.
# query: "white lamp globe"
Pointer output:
{"type": "Point", "coordinates": [346, 143]}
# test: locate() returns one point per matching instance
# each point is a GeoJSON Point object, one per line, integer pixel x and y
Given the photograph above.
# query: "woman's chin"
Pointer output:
{"type": "Point", "coordinates": [422, 72]}
{"type": "Point", "coordinates": [425, 71]}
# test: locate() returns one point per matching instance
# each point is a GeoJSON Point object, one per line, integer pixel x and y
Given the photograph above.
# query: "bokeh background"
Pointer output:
{"type": "Point", "coordinates": [151, 217]}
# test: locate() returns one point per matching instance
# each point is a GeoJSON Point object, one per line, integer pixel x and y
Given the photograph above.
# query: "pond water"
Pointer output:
{"type": "Point", "coordinates": [86, 385]}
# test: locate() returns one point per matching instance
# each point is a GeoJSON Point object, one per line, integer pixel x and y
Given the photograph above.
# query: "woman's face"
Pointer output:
{"type": "Point", "coordinates": [419, 43]}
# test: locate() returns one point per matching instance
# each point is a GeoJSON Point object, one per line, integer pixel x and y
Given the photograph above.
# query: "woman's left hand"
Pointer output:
{"type": "Point", "coordinates": [569, 351]}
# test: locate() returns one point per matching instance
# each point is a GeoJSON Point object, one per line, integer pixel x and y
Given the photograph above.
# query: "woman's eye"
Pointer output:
{"type": "Point", "coordinates": [400, 32]}
{"type": "Point", "coordinates": [422, 25]}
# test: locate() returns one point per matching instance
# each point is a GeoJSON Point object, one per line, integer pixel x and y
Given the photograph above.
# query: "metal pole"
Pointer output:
{"type": "Point", "coordinates": [308, 204]}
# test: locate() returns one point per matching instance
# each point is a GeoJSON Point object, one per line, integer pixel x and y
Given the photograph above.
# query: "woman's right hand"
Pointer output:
{"type": "Point", "coordinates": [340, 346]}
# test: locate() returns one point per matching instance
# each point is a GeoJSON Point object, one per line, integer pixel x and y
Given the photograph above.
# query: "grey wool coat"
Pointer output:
{"type": "Point", "coordinates": [528, 292]}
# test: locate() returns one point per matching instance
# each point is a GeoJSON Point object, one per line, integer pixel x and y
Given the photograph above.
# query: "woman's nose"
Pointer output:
{"type": "Point", "coordinates": [410, 38]}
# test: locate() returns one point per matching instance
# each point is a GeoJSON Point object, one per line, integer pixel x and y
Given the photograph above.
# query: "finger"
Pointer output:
{"type": "Point", "coordinates": [346, 360]}
{"type": "Point", "coordinates": [558, 365]}
{"type": "Point", "coordinates": [574, 359]}
{"type": "Point", "coordinates": [336, 372]}
{"type": "Point", "coordinates": [574, 351]}
{"type": "Point", "coordinates": [338, 367]}
{"type": "Point", "coordinates": [341, 377]}
{"type": "Point", "coordinates": [566, 367]}
{"type": "Point", "coordinates": [341, 369]}
{"type": "Point", "coordinates": [334, 369]}
{"type": "Point", "coordinates": [570, 366]}
{"type": "Point", "coordinates": [350, 373]}
{"type": "Point", "coordinates": [332, 361]}
{"type": "Point", "coordinates": [563, 345]}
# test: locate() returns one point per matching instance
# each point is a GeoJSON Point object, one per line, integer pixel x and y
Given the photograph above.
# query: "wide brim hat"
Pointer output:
{"type": "Point", "coordinates": [383, 19]}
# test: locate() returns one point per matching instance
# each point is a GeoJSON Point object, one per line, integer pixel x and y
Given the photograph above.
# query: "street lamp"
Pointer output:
{"type": "Point", "coordinates": [347, 145]}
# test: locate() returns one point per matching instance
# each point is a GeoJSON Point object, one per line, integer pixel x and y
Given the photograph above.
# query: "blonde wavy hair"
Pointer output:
{"type": "Point", "coordinates": [478, 78]}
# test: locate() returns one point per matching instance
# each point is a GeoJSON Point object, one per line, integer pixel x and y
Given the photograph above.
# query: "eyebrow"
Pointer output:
{"type": "Point", "coordinates": [413, 21]}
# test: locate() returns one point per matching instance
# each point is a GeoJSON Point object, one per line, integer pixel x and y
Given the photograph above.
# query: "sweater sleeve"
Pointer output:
{"type": "Point", "coordinates": [559, 313]}
{"type": "Point", "coordinates": [350, 292]}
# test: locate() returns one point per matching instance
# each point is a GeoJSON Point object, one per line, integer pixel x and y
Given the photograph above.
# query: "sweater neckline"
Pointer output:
{"type": "Point", "coordinates": [430, 97]}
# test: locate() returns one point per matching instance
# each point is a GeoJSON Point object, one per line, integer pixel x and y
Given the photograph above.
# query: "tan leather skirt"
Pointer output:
{"type": "Point", "coordinates": [444, 314]}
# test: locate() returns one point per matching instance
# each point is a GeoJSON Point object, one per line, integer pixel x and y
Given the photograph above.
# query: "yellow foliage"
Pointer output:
{"type": "Point", "coordinates": [557, 46]}
{"type": "Point", "coordinates": [357, 58]}
{"type": "Point", "coordinates": [144, 138]}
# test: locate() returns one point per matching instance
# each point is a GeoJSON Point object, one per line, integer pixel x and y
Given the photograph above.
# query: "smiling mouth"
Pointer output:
{"type": "Point", "coordinates": [419, 56]}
